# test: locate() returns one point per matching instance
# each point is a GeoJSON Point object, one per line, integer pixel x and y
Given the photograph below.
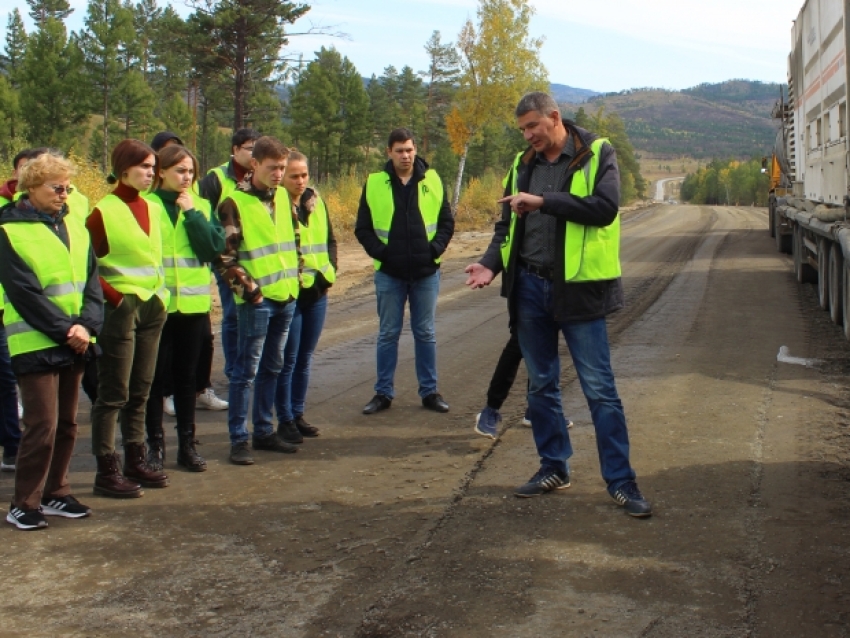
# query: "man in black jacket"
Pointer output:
{"type": "Point", "coordinates": [558, 244]}
{"type": "Point", "coordinates": [404, 222]}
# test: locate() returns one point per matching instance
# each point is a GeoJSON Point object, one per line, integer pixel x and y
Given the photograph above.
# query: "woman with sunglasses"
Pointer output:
{"type": "Point", "coordinates": [126, 234]}
{"type": "Point", "coordinates": [54, 310]}
{"type": "Point", "coordinates": [190, 243]}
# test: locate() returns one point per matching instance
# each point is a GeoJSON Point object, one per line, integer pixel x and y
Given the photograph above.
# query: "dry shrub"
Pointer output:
{"type": "Point", "coordinates": [89, 179]}
{"type": "Point", "coordinates": [342, 197]}
{"type": "Point", "coordinates": [477, 208]}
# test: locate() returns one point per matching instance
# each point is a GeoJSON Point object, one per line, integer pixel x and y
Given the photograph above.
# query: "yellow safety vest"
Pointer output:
{"type": "Point", "coordinates": [379, 196]}
{"type": "Point", "coordinates": [134, 263]}
{"type": "Point", "coordinates": [186, 277]}
{"type": "Point", "coordinates": [227, 185]}
{"type": "Point", "coordinates": [314, 247]}
{"type": "Point", "coordinates": [267, 251]}
{"type": "Point", "coordinates": [61, 272]}
{"type": "Point", "coordinates": [591, 253]}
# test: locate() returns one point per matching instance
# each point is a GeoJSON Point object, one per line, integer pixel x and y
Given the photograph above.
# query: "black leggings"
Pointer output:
{"type": "Point", "coordinates": [505, 373]}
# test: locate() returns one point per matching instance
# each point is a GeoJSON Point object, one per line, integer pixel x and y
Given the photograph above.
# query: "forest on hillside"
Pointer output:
{"type": "Point", "coordinates": [138, 68]}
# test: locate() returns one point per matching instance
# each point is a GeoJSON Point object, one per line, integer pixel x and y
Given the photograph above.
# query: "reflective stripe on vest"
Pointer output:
{"type": "Point", "coordinates": [314, 247]}
{"type": "Point", "coordinates": [186, 276]}
{"type": "Point", "coordinates": [591, 253]}
{"type": "Point", "coordinates": [267, 251]}
{"type": "Point", "coordinates": [379, 197]}
{"type": "Point", "coordinates": [134, 262]}
{"type": "Point", "coordinates": [61, 272]}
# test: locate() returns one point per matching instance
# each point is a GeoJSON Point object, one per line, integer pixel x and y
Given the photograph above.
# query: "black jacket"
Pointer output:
{"type": "Point", "coordinates": [408, 255]}
{"type": "Point", "coordinates": [27, 295]}
{"type": "Point", "coordinates": [582, 301]}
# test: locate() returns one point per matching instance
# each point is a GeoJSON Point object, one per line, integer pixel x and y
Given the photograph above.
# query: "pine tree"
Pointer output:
{"type": "Point", "coordinates": [441, 77]}
{"type": "Point", "coordinates": [11, 63]}
{"type": "Point", "coordinates": [43, 10]}
{"type": "Point", "coordinates": [109, 27]}
{"type": "Point", "coordinates": [53, 91]}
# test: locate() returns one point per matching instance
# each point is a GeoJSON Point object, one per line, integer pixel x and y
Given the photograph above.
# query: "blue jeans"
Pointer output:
{"type": "Point", "coordinates": [588, 345]}
{"type": "Point", "coordinates": [422, 296]}
{"type": "Point", "coordinates": [10, 428]}
{"type": "Point", "coordinates": [229, 329]}
{"type": "Point", "coordinates": [304, 332]}
{"type": "Point", "coordinates": [262, 333]}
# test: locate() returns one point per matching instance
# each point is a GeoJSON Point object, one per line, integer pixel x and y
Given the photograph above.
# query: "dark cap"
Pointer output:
{"type": "Point", "coordinates": [161, 139]}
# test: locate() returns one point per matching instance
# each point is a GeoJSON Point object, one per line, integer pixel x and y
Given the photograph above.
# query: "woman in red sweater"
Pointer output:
{"type": "Point", "coordinates": [127, 240]}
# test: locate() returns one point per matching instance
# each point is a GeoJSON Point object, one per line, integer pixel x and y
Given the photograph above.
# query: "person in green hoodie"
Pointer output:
{"type": "Point", "coordinates": [190, 241]}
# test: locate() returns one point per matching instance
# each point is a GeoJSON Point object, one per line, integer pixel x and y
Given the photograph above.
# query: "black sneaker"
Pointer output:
{"type": "Point", "coordinates": [287, 431]}
{"type": "Point", "coordinates": [628, 495]}
{"type": "Point", "coordinates": [8, 462]}
{"type": "Point", "coordinates": [240, 454]}
{"type": "Point", "coordinates": [272, 443]}
{"type": "Point", "coordinates": [66, 506]}
{"type": "Point", "coordinates": [26, 519]}
{"type": "Point", "coordinates": [546, 480]}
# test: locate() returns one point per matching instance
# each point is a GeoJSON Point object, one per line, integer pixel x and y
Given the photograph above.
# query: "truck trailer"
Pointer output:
{"type": "Point", "coordinates": [809, 196]}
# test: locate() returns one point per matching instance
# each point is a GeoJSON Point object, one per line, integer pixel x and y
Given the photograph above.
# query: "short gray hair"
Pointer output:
{"type": "Point", "coordinates": [538, 101]}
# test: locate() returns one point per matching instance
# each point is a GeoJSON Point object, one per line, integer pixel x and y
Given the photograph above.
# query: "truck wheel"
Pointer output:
{"type": "Point", "coordinates": [823, 272]}
{"type": "Point", "coordinates": [845, 294]}
{"type": "Point", "coordinates": [771, 219]}
{"type": "Point", "coordinates": [783, 242]}
{"type": "Point", "coordinates": [836, 285]}
{"type": "Point", "coordinates": [804, 272]}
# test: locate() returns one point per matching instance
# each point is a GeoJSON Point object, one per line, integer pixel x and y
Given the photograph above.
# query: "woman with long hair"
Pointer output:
{"type": "Point", "coordinates": [318, 272]}
{"type": "Point", "coordinates": [126, 234]}
{"type": "Point", "coordinates": [190, 243]}
{"type": "Point", "coordinates": [54, 310]}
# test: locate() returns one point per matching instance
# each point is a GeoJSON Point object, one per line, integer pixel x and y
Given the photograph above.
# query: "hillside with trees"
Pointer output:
{"type": "Point", "coordinates": [730, 119]}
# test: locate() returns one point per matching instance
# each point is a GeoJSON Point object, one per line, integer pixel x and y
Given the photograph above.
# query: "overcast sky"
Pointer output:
{"type": "Point", "coordinates": [607, 45]}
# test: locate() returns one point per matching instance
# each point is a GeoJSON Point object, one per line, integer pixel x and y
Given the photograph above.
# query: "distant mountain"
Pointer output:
{"type": "Point", "coordinates": [729, 119]}
{"type": "Point", "coordinates": [564, 94]}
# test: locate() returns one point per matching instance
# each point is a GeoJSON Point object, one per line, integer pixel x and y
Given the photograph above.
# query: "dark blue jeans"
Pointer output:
{"type": "Point", "coordinates": [229, 328]}
{"type": "Point", "coordinates": [10, 429]}
{"type": "Point", "coordinates": [263, 329]}
{"type": "Point", "coordinates": [304, 332]}
{"type": "Point", "coordinates": [588, 345]}
{"type": "Point", "coordinates": [421, 294]}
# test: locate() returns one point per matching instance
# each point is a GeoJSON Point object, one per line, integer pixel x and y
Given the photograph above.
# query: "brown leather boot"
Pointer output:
{"type": "Point", "coordinates": [187, 455]}
{"type": "Point", "coordinates": [136, 469]}
{"type": "Point", "coordinates": [110, 482]}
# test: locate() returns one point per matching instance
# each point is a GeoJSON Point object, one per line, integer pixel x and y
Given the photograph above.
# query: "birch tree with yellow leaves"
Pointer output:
{"type": "Point", "coordinates": [500, 62]}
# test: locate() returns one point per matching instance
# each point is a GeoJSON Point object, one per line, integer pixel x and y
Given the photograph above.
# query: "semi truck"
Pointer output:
{"type": "Point", "coordinates": [809, 195]}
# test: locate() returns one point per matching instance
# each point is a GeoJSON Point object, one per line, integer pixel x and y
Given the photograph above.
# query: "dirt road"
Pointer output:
{"type": "Point", "coordinates": [404, 523]}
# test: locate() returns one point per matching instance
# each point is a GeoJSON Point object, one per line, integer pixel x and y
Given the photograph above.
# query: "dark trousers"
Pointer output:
{"type": "Point", "coordinates": [10, 429]}
{"type": "Point", "coordinates": [203, 371]}
{"type": "Point", "coordinates": [505, 373]}
{"type": "Point", "coordinates": [50, 431]}
{"type": "Point", "coordinates": [130, 342]}
{"type": "Point", "coordinates": [179, 350]}
{"type": "Point", "coordinates": [90, 379]}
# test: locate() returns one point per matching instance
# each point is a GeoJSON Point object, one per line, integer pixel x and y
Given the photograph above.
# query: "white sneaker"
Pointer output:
{"type": "Point", "coordinates": [207, 400]}
{"type": "Point", "coordinates": [168, 406]}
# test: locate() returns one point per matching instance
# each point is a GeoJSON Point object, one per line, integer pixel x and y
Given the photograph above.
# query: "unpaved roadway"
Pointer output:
{"type": "Point", "coordinates": [404, 523]}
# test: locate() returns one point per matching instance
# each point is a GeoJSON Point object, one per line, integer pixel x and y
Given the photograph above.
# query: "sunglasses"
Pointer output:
{"type": "Point", "coordinates": [61, 189]}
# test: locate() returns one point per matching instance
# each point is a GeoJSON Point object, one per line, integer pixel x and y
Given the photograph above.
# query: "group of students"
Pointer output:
{"type": "Point", "coordinates": [121, 296]}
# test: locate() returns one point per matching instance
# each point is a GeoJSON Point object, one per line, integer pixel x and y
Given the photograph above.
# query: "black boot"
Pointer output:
{"type": "Point", "coordinates": [156, 452]}
{"type": "Point", "coordinates": [187, 455]}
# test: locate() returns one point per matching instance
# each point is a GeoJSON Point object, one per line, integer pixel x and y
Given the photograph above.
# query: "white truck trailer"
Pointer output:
{"type": "Point", "coordinates": [810, 199]}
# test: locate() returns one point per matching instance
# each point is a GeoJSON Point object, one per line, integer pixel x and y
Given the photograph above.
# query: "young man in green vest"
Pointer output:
{"type": "Point", "coordinates": [260, 264]}
{"type": "Point", "coordinates": [557, 245]}
{"type": "Point", "coordinates": [404, 223]}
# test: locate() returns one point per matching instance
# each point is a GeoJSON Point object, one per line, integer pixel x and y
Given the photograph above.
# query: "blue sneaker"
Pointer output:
{"type": "Point", "coordinates": [487, 422]}
{"type": "Point", "coordinates": [546, 480]}
{"type": "Point", "coordinates": [628, 495]}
